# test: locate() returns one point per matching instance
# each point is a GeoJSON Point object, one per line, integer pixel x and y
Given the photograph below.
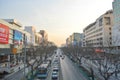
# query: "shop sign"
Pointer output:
{"type": "Point", "coordinates": [4, 34]}
{"type": "Point", "coordinates": [14, 50]}
{"type": "Point", "coordinates": [17, 37]}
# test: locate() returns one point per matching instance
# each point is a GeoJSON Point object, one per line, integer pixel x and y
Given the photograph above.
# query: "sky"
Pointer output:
{"type": "Point", "coordinates": [60, 18]}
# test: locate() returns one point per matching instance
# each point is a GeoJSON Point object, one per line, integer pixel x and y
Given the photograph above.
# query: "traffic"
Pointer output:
{"type": "Point", "coordinates": [50, 68]}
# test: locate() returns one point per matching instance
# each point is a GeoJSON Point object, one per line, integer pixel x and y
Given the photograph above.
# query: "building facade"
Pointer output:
{"type": "Point", "coordinates": [75, 40]}
{"type": "Point", "coordinates": [44, 37]}
{"type": "Point", "coordinates": [38, 39]}
{"type": "Point", "coordinates": [32, 31]}
{"type": "Point", "coordinates": [99, 33]}
{"type": "Point", "coordinates": [116, 28]}
{"type": "Point", "coordinates": [11, 43]}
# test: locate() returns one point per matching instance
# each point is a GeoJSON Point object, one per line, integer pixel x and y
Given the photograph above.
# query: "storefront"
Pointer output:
{"type": "Point", "coordinates": [18, 44]}
{"type": "Point", "coordinates": [4, 46]}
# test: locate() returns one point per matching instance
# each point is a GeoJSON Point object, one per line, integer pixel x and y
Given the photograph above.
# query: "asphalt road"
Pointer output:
{"type": "Point", "coordinates": [70, 70]}
{"type": "Point", "coordinates": [51, 68]}
{"type": "Point", "coordinates": [16, 76]}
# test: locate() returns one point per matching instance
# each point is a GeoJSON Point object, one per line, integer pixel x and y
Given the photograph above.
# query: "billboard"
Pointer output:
{"type": "Point", "coordinates": [17, 37]}
{"type": "Point", "coordinates": [4, 34]}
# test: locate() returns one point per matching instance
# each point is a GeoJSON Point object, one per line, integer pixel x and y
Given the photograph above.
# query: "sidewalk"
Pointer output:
{"type": "Point", "coordinates": [87, 64]}
{"type": "Point", "coordinates": [15, 69]}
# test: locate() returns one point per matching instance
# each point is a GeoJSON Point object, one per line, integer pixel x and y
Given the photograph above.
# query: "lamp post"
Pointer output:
{"type": "Point", "coordinates": [24, 53]}
{"type": "Point", "coordinates": [92, 73]}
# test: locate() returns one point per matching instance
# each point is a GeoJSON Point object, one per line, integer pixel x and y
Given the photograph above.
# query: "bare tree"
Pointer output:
{"type": "Point", "coordinates": [109, 63]}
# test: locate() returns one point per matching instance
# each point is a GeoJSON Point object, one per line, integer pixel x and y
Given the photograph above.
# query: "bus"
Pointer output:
{"type": "Point", "coordinates": [42, 71]}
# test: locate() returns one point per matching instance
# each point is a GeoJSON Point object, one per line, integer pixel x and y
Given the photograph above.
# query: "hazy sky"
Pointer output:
{"type": "Point", "coordinates": [60, 18]}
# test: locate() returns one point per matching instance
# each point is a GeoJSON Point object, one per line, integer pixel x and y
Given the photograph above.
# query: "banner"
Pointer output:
{"type": "Point", "coordinates": [17, 37]}
{"type": "Point", "coordinates": [4, 34]}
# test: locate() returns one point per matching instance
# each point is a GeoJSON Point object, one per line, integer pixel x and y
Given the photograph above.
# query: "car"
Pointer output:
{"type": "Point", "coordinates": [54, 75]}
{"type": "Point", "coordinates": [60, 55]}
{"type": "Point", "coordinates": [63, 56]}
{"type": "Point", "coordinates": [55, 66]}
{"type": "Point", "coordinates": [56, 69]}
{"type": "Point", "coordinates": [56, 55]}
{"type": "Point", "coordinates": [56, 60]}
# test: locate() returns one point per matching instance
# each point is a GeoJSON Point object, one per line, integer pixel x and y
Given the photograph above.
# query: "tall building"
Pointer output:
{"type": "Point", "coordinates": [38, 39]}
{"type": "Point", "coordinates": [75, 39]}
{"type": "Point", "coordinates": [32, 31]}
{"type": "Point", "coordinates": [98, 33]}
{"type": "Point", "coordinates": [11, 43]}
{"type": "Point", "coordinates": [44, 37]}
{"type": "Point", "coordinates": [116, 28]}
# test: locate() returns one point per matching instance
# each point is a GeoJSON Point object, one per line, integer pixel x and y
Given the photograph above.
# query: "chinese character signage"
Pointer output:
{"type": "Point", "coordinates": [4, 34]}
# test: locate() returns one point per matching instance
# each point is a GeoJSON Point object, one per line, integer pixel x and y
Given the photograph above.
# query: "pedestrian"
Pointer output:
{"type": "Point", "coordinates": [19, 68]}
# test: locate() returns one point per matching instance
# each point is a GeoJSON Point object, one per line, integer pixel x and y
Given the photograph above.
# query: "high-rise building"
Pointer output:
{"type": "Point", "coordinates": [116, 27]}
{"type": "Point", "coordinates": [38, 39]}
{"type": "Point", "coordinates": [75, 39]}
{"type": "Point", "coordinates": [32, 31]}
{"type": "Point", "coordinates": [44, 37]}
{"type": "Point", "coordinates": [98, 33]}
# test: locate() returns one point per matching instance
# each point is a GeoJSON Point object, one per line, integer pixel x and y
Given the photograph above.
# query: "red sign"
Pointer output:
{"type": "Point", "coordinates": [4, 34]}
{"type": "Point", "coordinates": [99, 50]}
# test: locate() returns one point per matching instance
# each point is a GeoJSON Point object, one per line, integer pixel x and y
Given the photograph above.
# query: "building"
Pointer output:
{"type": "Point", "coordinates": [32, 31]}
{"type": "Point", "coordinates": [28, 39]}
{"type": "Point", "coordinates": [116, 28]}
{"type": "Point", "coordinates": [75, 39]}
{"type": "Point", "coordinates": [98, 33]}
{"type": "Point", "coordinates": [44, 37]}
{"type": "Point", "coordinates": [51, 44]}
{"type": "Point", "coordinates": [38, 39]}
{"type": "Point", "coordinates": [11, 43]}
{"type": "Point", "coordinates": [67, 42]}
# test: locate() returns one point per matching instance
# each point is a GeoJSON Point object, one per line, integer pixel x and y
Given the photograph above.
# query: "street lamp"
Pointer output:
{"type": "Point", "coordinates": [24, 53]}
{"type": "Point", "coordinates": [92, 73]}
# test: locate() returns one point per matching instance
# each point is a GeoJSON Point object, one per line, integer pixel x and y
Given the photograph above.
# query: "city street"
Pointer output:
{"type": "Point", "coordinates": [15, 76]}
{"type": "Point", "coordinates": [67, 70]}
{"type": "Point", "coordinates": [70, 71]}
{"type": "Point", "coordinates": [59, 40]}
{"type": "Point", "coordinates": [50, 71]}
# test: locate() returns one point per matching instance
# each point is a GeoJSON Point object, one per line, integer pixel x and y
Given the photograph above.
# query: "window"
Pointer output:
{"type": "Point", "coordinates": [110, 33]}
{"type": "Point", "coordinates": [107, 20]}
{"type": "Point", "coordinates": [110, 28]}
{"type": "Point", "coordinates": [101, 38]}
{"type": "Point", "coordinates": [110, 38]}
{"type": "Point", "coordinates": [100, 22]}
{"type": "Point", "coordinates": [110, 43]}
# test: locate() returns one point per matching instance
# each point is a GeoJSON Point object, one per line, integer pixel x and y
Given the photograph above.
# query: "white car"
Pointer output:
{"type": "Point", "coordinates": [54, 75]}
{"type": "Point", "coordinates": [55, 69]}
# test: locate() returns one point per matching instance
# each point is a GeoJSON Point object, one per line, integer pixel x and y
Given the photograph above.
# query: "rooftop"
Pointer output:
{"type": "Point", "coordinates": [13, 21]}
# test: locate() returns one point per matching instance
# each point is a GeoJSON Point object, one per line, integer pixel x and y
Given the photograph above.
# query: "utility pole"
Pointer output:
{"type": "Point", "coordinates": [24, 54]}
{"type": "Point", "coordinates": [92, 73]}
